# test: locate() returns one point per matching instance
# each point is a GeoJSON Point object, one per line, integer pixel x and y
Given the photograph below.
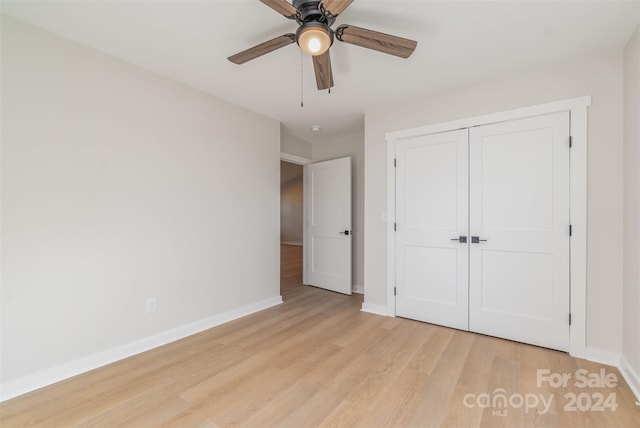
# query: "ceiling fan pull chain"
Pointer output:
{"type": "Point", "coordinates": [301, 80]}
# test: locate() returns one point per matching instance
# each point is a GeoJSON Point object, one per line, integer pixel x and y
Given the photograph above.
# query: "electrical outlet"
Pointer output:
{"type": "Point", "coordinates": [151, 305]}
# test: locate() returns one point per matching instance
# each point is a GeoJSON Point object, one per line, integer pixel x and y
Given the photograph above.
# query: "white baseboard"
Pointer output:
{"type": "Point", "coordinates": [603, 357]}
{"type": "Point", "coordinates": [297, 244]}
{"type": "Point", "coordinates": [359, 289]}
{"type": "Point", "coordinates": [631, 376]}
{"type": "Point", "coordinates": [374, 309]}
{"type": "Point", "coordinates": [14, 388]}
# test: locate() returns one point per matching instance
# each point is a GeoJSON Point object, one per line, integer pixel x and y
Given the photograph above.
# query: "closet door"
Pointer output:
{"type": "Point", "coordinates": [519, 214]}
{"type": "Point", "coordinates": [432, 215]}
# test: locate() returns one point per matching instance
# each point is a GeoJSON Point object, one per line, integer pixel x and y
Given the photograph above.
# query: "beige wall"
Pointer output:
{"type": "Point", "coordinates": [599, 76]}
{"type": "Point", "coordinates": [115, 188]}
{"type": "Point", "coordinates": [631, 292]}
{"type": "Point", "coordinates": [291, 203]}
{"type": "Point", "coordinates": [353, 146]}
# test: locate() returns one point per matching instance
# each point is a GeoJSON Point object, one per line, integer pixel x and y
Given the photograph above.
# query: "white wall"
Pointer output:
{"type": "Point", "coordinates": [631, 292]}
{"type": "Point", "coordinates": [293, 145]}
{"type": "Point", "coordinates": [115, 187]}
{"type": "Point", "coordinates": [599, 76]}
{"type": "Point", "coordinates": [353, 146]}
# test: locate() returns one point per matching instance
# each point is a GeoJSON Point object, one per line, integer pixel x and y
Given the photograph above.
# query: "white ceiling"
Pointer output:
{"type": "Point", "coordinates": [459, 44]}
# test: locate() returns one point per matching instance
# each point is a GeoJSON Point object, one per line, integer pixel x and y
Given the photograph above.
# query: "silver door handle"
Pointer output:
{"type": "Point", "coordinates": [346, 232]}
{"type": "Point", "coordinates": [461, 239]}
{"type": "Point", "coordinates": [477, 240]}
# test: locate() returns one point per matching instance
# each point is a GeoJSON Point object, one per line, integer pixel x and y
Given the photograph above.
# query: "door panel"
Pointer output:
{"type": "Point", "coordinates": [434, 266]}
{"type": "Point", "coordinates": [327, 255]}
{"type": "Point", "coordinates": [525, 289]}
{"type": "Point", "coordinates": [519, 204]}
{"type": "Point", "coordinates": [431, 179]}
{"type": "Point", "coordinates": [432, 209]}
{"type": "Point", "coordinates": [517, 180]}
{"type": "Point", "coordinates": [327, 249]}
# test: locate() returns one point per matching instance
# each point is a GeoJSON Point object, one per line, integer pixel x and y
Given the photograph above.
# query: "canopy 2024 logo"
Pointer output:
{"type": "Point", "coordinates": [588, 401]}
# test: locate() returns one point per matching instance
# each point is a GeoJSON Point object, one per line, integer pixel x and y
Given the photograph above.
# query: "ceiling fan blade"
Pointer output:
{"type": "Point", "coordinates": [283, 7]}
{"type": "Point", "coordinates": [335, 7]}
{"type": "Point", "coordinates": [322, 67]}
{"type": "Point", "coordinates": [262, 49]}
{"type": "Point", "coordinates": [380, 42]}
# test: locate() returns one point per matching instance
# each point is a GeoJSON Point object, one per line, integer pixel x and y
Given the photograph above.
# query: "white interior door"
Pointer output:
{"type": "Point", "coordinates": [431, 214]}
{"type": "Point", "coordinates": [327, 237]}
{"type": "Point", "coordinates": [519, 211]}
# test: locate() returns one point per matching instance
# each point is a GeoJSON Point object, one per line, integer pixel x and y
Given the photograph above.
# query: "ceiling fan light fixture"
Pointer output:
{"type": "Point", "coordinates": [315, 35]}
{"type": "Point", "coordinates": [314, 38]}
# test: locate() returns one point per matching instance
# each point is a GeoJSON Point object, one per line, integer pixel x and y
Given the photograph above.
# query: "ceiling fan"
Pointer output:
{"type": "Point", "coordinates": [315, 36]}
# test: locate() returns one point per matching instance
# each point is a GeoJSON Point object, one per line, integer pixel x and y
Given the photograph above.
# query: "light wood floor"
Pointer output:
{"type": "Point", "coordinates": [317, 360]}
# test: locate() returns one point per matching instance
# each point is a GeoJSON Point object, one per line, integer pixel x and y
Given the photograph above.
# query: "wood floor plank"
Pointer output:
{"type": "Point", "coordinates": [431, 350]}
{"type": "Point", "coordinates": [438, 388]}
{"type": "Point", "coordinates": [318, 360]}
{"type": "Point", "coordinates": [391, 408]}
{"type": "Point", "coordinates": [332, 392]}
{"type": "Point", "coordinates": [473, 378]}
{"type": "Point", "coordinates": [274, 415]}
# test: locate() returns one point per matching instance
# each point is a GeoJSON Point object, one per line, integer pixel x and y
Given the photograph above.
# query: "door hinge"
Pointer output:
{"type": "Point", "coordinates": [570, 141]}
{"type": "Point", "coordinates": [569, 319]}
{"type": "Point", "coordinates": [395, 291]}
{"type": "Point", "coordinates": [395, 163]}
{"type": "Point", "coordinates": [570, 230]}
{"type": "Point", "coordinates": [395, 227]}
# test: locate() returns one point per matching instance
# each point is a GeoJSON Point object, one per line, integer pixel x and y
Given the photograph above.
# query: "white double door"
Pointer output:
{"type": "Point", "coordinates": [482, 241]}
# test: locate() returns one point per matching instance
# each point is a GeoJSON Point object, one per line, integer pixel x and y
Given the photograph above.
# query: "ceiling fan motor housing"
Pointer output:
{"type": "Point", "coordinates": [309, 11]}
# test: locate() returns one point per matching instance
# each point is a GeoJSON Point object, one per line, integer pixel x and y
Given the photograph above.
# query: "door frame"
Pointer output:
{"type": "Point", "coordinates": [298, 160]}
{"type": "Point", "coordinates": [577, 108]}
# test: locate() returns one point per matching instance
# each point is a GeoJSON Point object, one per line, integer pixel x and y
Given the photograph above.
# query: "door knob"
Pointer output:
{"type": "Point", "coordinates": [461, 239]}
{"type": "Point", "coordinates": [346, 232]}
{"type": "Point", "coordinates": [477, 240]}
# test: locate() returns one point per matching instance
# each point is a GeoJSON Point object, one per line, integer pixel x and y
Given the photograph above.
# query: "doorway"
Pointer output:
{"type": "Point", "coordinates": [291, 226]}
{"type": "Point", "coordinates": [316, 206]}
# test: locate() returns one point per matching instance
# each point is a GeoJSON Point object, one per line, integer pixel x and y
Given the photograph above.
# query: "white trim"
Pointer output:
{"type": "Point", "coordinates": [305, 232]}
{"type": "Point", "coordinates": [602, 356]}
{"type": "Point", "coordinates": [503, 116]}
{"type": "Point", "coordinates": [295, 244]}
{"type": "Point", "coordinates": [374, 309]}
{"type": "Point", "coordinates": [391, 236]}
{"type": "Point", "coordinates": [358, 289]}
{"type": "Point", "coordinates": [52, 375]}
{"type": "Point", "coordinates": [294, 159]}
{"type": "Point", "coordinates": [631, 376]}
{"type": "Point", "coordinates": [578, 216]}
{"type": "Point", "coordinates": [578, 220]}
